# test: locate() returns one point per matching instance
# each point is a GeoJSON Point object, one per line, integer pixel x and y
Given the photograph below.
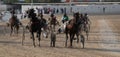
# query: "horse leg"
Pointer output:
{"type": "Point", "coordinates": [66, 32]}
{"type": "Point", "coordinates": [66, 39]}
{"type": "Point", "coordinates": [51, 43]}
{"type": "Point", "coordinates": [88, 30]}
{"type": "Point", "coordinates": [54, 40]}
{"type": "Point", "coordinates": [33, 38]}
{"type": "Point", "coordinates": [17, 28]}
{"type": "Point", "coordinates": [11, 31]}
{"type": "Point", "coordinates": [51, 27]}
{"type": "Point", "coordinates": [54, 27]}
{"type": "Point", "coordinates": [83, 40]}
{"type": "Point", "coordinates": [39, 33]}
{"type": "Point", "coordinates": [77, 37]}
{"type": "Point", "coordinates": [14, 28]}
{"type": "Point", "coordinates": [4, 30]}
{"type": "Point", "coordinates": [71, 39]}
{"type": "Point", "coordinates": [23, 38]}
{"type": "Point", "coordinates": [87, 33]}
{"type": "Point", "coordinates": [46, 32]}
{"type": "Point", "coordinates": [89, 26]}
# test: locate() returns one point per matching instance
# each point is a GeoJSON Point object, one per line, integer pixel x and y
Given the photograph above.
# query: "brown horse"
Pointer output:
{"type": "Point", "coordinates": [14, 24]}
{"type": "Point", "coordinates": [72, 29]}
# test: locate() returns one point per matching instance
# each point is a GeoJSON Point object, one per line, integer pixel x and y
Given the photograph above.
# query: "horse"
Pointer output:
{"type": "Point", "coordinates": [14, 24]}
{"type": "Point", "coordinates": [87, 29]}
{"type": "Point", "coordinates": [87, 23]}
{"type": "Point", "coordinates": [45, 27]}
{"type": "Point", "coordinates": [53, 22]}
{"type": "Point", "coordinates": [34, 26]}
{"type": "Point", "coordinates": [72, 29]}
{"type": "Point", "coordinates": [53, 38]}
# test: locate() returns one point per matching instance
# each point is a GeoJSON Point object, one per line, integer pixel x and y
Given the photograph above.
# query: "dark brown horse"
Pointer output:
{"type": "Point", "coordinates": [34, 26]}
{"type": "Point", "coordinates": [72, 29]}
{"type": "Point", "coordinates": [14, 24]}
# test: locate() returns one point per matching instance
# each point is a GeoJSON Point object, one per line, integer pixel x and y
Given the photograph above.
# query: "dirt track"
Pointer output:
{"type": "Point", "coordinates": [103, 42]}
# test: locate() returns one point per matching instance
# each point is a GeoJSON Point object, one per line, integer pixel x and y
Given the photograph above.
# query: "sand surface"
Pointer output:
{"type": "Point", "coordinates": [104, 41]}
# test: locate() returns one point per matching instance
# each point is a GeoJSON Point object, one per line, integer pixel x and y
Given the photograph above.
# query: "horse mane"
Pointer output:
{"type": "Point", "coordinates": [14, 17]}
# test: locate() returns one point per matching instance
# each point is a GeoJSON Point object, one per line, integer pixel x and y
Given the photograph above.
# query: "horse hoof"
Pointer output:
{"type": "Point", "coordinates": [65, 46]}
{"type": "Point", "coordinates": [77, 41]}
{"type": "Point", "coordinates": [30, 37]}
{"type": "Point", "coordinates": [37, 36]}
{"type": "Point", "coordinates": [46, 36]}
{"type": "Point", "coordinates": [34, 46]}
{"type": "Point", "coordinates": [70, 47]}
{"type": "Point", "coordinates": [83, 47]}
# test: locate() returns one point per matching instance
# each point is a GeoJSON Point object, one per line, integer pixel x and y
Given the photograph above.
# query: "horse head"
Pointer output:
{"type": "Point", "coordinates": [31, 13]}
{"type": "Point", "coordinates": [73, 22]}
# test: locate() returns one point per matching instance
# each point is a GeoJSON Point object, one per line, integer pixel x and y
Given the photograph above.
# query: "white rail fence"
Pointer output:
{"type": "Point", "coordinates": [91, 9]}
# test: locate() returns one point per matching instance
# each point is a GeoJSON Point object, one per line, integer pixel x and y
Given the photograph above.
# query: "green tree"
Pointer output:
{"type": "Point", "coordinates": [10, 1]}
{"type": "Point", "coordinates": [27, 1]}
{"type": "Point", "coordinates": [49, 1]}
{"type": "Point", "coordinates": [34, 1]}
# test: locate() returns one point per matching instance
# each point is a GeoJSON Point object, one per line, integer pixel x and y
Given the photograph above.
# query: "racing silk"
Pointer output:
{"type": "Point", "coordinates": [33, 17]}
{"type": "Point", "coordinates": [79, 20]}
{"type": "Point", "coordinates": [16, 19]}
{"type": "Point", "coordinates": [43, 22]}
{"type": "Point", "coordinates": [86, 19]}
{"type": "Point", "coordinates": [12, 12]}
{"type": "Point", "coordinates": [65, 18]}
{"type": "Point", "coordinates": [53, 20]}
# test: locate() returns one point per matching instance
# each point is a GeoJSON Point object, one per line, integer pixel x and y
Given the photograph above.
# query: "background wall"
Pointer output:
{"type": "Point", "coordinates": [3, 7]}
{"type": "Point", "coordinates": [91, 9]}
